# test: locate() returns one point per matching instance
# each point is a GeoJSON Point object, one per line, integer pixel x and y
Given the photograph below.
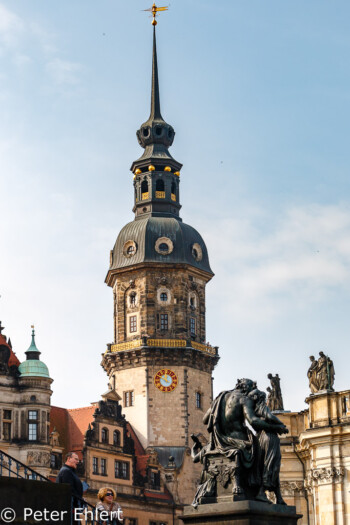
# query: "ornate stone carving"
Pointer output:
{"type": "Point", "coordinates": [38, 458]}
{"type": "Point", "coordinates": [109, 408]}
{"type": "Point", "coordinates": [54, 438]}
{"type": "Point", "coordinates": [322, 476]}
{"type": "Point", "coordinates": [288, 488]}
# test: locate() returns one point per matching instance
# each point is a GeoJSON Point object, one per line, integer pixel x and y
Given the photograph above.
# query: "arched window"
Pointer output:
{"type": "Point", "coordinates": [144, 190]}
{"type": "Point", "coordinates": [163, 296]}
{"type": "Point", "coordinates": [173, 191]}
{"type": "Point", "coordinates": [104, 435]}
{"type": "Point", "coordinates": [160, 185]}
{"type": "Point", "coordinates": [116, 438]}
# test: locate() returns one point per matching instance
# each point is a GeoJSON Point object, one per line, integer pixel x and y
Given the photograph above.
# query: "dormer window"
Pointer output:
{"type": "Point", "coordinates": [131, 250]}
{"type": "Point", "coordinates": [104, 435]}
{"type": "Point", "coordinates": [154, 479]}
{"type": "Point", "coordinates": [116, 438]}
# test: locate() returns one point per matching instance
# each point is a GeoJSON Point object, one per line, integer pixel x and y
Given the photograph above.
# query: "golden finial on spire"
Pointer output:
{"type": "Point", "coordinates": [154, 10]}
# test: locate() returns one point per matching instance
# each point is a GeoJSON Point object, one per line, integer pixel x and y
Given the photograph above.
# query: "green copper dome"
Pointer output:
{"type": "Point", "coordinates": [33, 367]}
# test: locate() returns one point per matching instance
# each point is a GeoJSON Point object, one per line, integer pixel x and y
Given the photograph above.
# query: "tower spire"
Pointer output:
{"type": "Point", "coordinates": [155, 101]}
{"type": "Point", "coordinates": [32, 352]}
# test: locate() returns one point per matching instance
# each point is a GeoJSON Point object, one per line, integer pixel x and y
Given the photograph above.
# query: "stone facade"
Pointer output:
{"type": "Point", "coordinates": [141, 292]}
{"type": "Point", "coordinates": [111, 456]}
{"type": "Point", "coordinates": [316, 459]}
{"type": "Point", "coordinates": [24, 413]}
{"type": "Point", "coordinates": [145, 346]}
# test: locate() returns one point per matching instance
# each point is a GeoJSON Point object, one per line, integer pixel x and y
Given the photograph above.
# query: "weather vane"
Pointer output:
{"type": "Point", "coordinates": [154, 10]}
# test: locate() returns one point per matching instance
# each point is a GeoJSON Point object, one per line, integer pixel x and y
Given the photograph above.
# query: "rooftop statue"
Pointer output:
{"type": "Point", "coordinates": [321, 373]}
{"type": "Point", "coordinates": [274, 400]}
{"type": "Point", "coordinates": [242, 459]}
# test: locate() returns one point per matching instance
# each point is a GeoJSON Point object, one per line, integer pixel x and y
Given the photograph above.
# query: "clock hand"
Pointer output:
{"type": "Point", "coordinates": [164, 377]}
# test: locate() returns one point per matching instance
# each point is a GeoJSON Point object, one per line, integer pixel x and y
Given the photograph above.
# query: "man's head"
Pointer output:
{"type": "Point", "coordinates": [72, 459]}
{"type": "Point", "coordinates": [321, 354]}
{"type": "Point", "coordinates": [257, 395]}
{"type": "Point", "coordinates": [245, 385]}
{"type": "Point", "coordinates": [312, 358]}
{"type": "Point", "coordinates": [269, 376]}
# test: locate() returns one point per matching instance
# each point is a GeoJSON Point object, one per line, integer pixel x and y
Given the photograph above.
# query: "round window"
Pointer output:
{"type": "Point", "coordinates": [129, 249]}
{"type": "Point", "coordinates": [164, 246]}
{"type": "Point", "coordinates": [197, 253]}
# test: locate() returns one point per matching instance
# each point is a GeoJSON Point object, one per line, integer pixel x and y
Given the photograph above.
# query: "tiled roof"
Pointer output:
{"type": "Point", "coordinates": [71, 424]}
{"type": "Point", "coordinates": [79, 420]}
{"type": "Point", "coordinates": [59, 421]}
{"type": "Point", "coordinates": [141, 457]}
{"type": "Point", "coordinates": [139, 450]}
{"type": "Point", "coordinates": [13, 360]}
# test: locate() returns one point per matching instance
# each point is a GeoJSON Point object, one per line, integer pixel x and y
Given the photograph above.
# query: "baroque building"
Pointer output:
{"type": "Point", "coordinates": [25, 393]}
{"type": "Point", "coordinates": [316, 459]}
{"type": "Point", "coordinates": [159, 363]}
{"type": "Point", "coordinates": [111, 455]}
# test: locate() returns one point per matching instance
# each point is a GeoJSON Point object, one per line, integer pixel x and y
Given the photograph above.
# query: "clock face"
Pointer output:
{"type": "Point", "coordinates": [166, 380]}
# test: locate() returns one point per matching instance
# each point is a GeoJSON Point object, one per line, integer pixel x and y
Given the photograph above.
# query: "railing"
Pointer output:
{"type": "Point", "coordinates": [19, 470]}
{"type": "Point", "coordinates": [12, 467]}
{"type": "Point", "coordinates": [145, 196]}
{"type": "Point", "coordinates": [162, 343]}
{"type": "Point", "coordinates": [173, 197]}
{"type": "Point", "coordinates": [204, 348]}
{"type": "Point", "coordinates": [167, 343]}
{"type": "Point", "coordinates": [122, 347]}
{"type": "Point", "coordinates": [160, 194]}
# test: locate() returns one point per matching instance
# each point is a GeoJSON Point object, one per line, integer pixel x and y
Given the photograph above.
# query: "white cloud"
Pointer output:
{"type": "Point", "coordinates": [64, 72]}
{"type": "Point", "coordinates": [11, 27]}
{"type": "Point", "coordinates": [298, 262]}
{"type": "Point", "coordinates": [26, 42]}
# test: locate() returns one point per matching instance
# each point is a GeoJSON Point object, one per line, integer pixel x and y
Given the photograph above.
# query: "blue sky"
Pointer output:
{"type": "Point", "coordinates": [258, 94]}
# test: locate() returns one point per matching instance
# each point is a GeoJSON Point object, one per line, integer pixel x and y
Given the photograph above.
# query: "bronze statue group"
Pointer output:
{"type": "Point", "coordinates": [242, 458]}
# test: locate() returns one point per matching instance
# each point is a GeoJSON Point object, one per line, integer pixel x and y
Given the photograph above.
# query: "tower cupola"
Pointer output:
{"type": "Point", "coordinates": [156, 172]}
{"type": "Point", "coordinates": [32, 366]}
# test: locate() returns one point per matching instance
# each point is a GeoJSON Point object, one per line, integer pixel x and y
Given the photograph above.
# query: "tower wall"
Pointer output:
{"type": "Point", "coordinates": [140, 292]}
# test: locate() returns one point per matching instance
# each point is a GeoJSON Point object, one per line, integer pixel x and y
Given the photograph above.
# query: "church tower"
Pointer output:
{"type": "Point", "coordinates": [159, 362]}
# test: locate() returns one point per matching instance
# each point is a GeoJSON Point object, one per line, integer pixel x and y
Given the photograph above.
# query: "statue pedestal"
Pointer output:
{"type": "Point", "coordinates": [245, 512]}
